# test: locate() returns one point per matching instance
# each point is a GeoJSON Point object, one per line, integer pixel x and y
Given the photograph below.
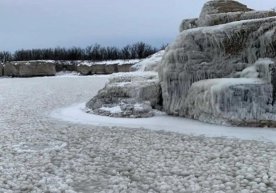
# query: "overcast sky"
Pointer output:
{"type": "Point", "coordinates": [66, 23]}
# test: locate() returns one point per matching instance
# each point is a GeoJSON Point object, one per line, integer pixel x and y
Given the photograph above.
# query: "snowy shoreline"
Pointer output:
{"type": "Point", "coordinates": [162, 122]}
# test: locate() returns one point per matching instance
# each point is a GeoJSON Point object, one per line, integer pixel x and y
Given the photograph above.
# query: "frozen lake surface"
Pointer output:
{"type": "Point", "coordinates": [47, 144]}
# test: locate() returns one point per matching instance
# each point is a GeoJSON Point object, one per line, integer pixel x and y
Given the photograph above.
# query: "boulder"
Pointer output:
{"type": "Point", "coordinates": [222, 6]}
{"type": "Point", "coordinates": [110, 69]}
{"type": "Point", "coordinates": [66, 66]}
{"type": "Point", "coordinates": [220, 12]}
{"type": "Point", "coordinates": [83, 69]}
{"type": "Point", "coordinates": [128, 95]}
{"type": "Point", "coordinates": [126, 108]}
{"type": "Point", "coordinates": [98, 69]}
{"type": "Point", "coordinates": [11, 69]}
{"type": "Point", "coordinates": [234, 101]}
{"type": "Point", "coordinates": [222, 18]}
{"type": "Point", "coordinates": [29, 69]}
{"type": "Point", "coordinates": [124, 67]}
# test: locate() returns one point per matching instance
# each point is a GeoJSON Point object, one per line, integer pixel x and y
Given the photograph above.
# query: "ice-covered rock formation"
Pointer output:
{"type": "Point", "coordinates": [131, 95]}
{"type": "Point", "coordinates": [223, 11]}
{"type": "Point", "coordinates": [222, 49]}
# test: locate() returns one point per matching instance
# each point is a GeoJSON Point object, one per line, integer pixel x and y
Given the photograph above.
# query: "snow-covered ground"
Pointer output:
{"type": "Point", "coordinates": [40, 153]}
{"type": "Point", "coordinates": [67, 74]}
{"type": "Point", "coordinates": [110, 62]}
{"type": "Point", "coordinates": [90, 62]}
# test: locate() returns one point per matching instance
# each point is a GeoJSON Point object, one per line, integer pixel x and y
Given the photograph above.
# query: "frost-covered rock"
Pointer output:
{"type": "Point", "coordinates": [65, 66]}
{"type": "Point", "coordinates": [229, 100]}
{"type": "Point", "coordinates": [222, 18]}
{"type": "Point", "coordinates": [29, 69]}
{"type": "Point", "coordinates": [243, 50]}
{"type": "Point", "coordinates": [133, 94]}
{"type": "Point", "coordinates": [128, 95]}
{"type": "Point", "coordinates": [83, 69]}
{"type": "Point", "coordinates": [90, 67]}
{"type": "Point", "coordinates": [222, 6]}
{"type": "Point", "coordinates": [110, 69]}
{"type": "Point", "coordinates": [124, 68]}
{"type": "Point", "coordinates": [188, 24]}
{"type": "Point", "coordinates": [213, 52]}
{"type": "Point", "coordinates": [220, 12]}
{"type": "Point", "coordinates": [217, 7]}
{"type": "Point", "coordinates": [152, 63]}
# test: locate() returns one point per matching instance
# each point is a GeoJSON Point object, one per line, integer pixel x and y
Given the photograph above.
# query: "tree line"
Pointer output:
{"type": "Point", "coordinates": [95, 52]}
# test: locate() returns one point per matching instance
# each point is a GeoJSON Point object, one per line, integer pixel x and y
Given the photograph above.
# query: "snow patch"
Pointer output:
{"type": "Point", "coordinates": [108, 62]}
{"type": "Point", "coordinates": [151, 60]}
{"type": "Point", "coordinates": [134, 74]}
{"type": "Point", "coordinates": [138, 107]}
{"type": "Point", "coordinates": [253, 71]}
{"type": "Point", "coordinates": [112, 110]}
{"type": "Point", "coordinates": [67, 74]}
{"type": "Point", "coordinates": [249, 72]}
{"type": "Point", "coordinates": [220, 83]}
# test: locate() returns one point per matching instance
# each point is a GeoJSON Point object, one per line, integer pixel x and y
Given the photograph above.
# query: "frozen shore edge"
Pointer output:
{"type": "Point", "coordinates": [76, 114]}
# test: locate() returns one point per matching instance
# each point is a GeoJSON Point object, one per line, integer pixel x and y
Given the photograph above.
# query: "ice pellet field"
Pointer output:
{"type": "Point", "coordinates": [40, 154]}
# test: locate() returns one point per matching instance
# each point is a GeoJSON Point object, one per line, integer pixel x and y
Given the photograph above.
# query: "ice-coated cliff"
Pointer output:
{"type": "Point", "coordinates": [229, 49]}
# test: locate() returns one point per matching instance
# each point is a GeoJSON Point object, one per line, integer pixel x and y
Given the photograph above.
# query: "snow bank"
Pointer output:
{"type": "Point", "coordinates": [108, 62]}
{"type": "Point", "coordinates": [149, 64]}
{"type": "Point", "coordinates": [83, 62]}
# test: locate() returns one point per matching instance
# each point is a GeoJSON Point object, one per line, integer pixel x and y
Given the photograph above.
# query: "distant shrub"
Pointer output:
{"type": "Point", "coordinates": [5, 56]}
{"type": "Point", "coordinates": [94, 52]}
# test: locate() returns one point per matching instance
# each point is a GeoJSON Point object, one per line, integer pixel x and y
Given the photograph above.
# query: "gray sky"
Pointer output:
{"type": "Point", "coordinates": [66, 23]}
